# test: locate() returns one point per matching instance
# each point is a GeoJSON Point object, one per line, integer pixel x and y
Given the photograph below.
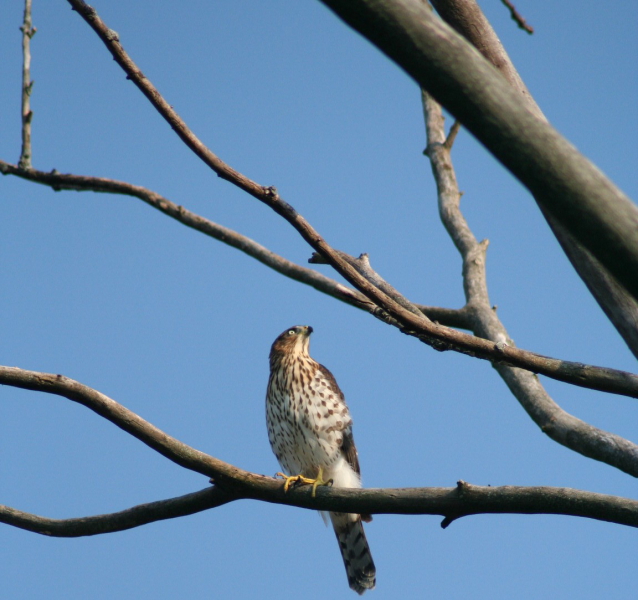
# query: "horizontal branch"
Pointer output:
{"type": "Point", "coordinates": [442, 338]}
{"type": "Point", "coordinates": [450, 503]}
{"type": "Point", "coordinates": [210, 497]}
{"type": "Point", "coordinates": [232, 483]}
{"type": "Point", "coordinates": [464, 500]}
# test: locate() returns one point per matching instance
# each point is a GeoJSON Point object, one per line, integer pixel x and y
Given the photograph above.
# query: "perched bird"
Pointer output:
{"type": "Point", "coordinates": [310, 432]}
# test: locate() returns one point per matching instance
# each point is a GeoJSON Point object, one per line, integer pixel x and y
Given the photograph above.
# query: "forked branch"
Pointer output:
{"type": "Point", "coordinates": [409, 319]}
{"type": "Point", "coordinates": [466, 17]}
{"type": "Point", "coordinates": [564, 183]}
{"type": "Point", "coordinates": [62, 181]}
{"type": "Point", "coordinates": [526, 387]}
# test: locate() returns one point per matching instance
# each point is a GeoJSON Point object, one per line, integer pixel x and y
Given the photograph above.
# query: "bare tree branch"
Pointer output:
{"type": "Point", "coordinates": [619, 306]}
{"type": "Point", "coordinates": [466, 17]}
{"type": "Point", "coordinates": [568, 186]}
{"type": "Point", "coordinates": [232, 483]}
{"type": "Point", "coordinates": [173, 449]}
{"type": "Point", "coordinates": [443, 338]}
{"type": "Point", "coordinates": [451, 317]}
{"type": "Point", "coordinates": [549, 416]}
{"type": "Point", "coordinates": [28, 31]}
{"type": "Point", "coordinates": [58, 181]}
{"type": "Point", "coordinates": [363, 267]}
{"type": "Point", "coordinates": [451, 503]}
{"type": "Point", "coordinates": [451, 136]}
{"type": "Point", "coordinates": [112, 42]}
{"type": "Point", "coordinates": [412, 321]}
{"type": "Point", "coordinates": [518, 18]}
{"type": "Point", "coordinates": [210, 497]}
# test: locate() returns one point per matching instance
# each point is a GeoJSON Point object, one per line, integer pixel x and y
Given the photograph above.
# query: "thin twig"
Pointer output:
{"type": "Point", "coordinates": [549, 416]}
{"type": "Point", "coordinates": [516, 16]}
{"type": "Point", "coordinates": [439, 337]}
{"type": "Point", "coordinates": [451, 136]}
{"type": "Point", "coordinates": [28, 31]}
{"type": "Point", "coordinates": [363, 267]}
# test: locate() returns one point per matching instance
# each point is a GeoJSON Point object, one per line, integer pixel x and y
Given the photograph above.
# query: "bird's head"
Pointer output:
{"type": "Point", "coordinates": [295, 341]}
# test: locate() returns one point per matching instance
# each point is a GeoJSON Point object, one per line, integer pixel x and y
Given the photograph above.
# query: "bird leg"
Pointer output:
{"type": "Point", "coordinates": [300, 479]}
{"type": "Point", "coordinates": [319, 481]}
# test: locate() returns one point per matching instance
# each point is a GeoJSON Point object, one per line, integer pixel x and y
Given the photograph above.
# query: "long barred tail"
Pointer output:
{"type": "Point", "coordinates": [355, 551]}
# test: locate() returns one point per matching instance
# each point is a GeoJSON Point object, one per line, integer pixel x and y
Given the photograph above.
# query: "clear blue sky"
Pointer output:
{"type": "Point", "coordinates": [177, 327]}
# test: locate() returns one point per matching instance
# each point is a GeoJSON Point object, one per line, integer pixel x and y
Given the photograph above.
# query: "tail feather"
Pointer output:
{"type": "Point", "coordinates": [355, 551]}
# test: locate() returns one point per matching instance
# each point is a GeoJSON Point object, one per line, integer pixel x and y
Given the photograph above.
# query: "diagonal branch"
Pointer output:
{"type": "Point", "coordinates": [443, 338]}
{"type": "Point", "coordinates": [410, 320]}
{"type": "Point", "coordinates": [518, 18]}
{"type": "Point", "coordinates": [565, 183]}
{"type": "Point", "coordinates": [549, 416]}
{"type": "Point", "coordinates": [232, 483]}
{"type": "Point", "coordinates": [133, 424]}
{"type": "Point", "coordinates": [451, 317]}
{"type": "Point", "coordinates": [58, 181]}
{"type": "Point", "coordinates": [112, 42]}
{"type": "Point", "coordinates": [466, 17]}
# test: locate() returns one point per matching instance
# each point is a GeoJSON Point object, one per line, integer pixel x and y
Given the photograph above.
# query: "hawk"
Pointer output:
{"type": "Point", "coordinates": [310, 432]}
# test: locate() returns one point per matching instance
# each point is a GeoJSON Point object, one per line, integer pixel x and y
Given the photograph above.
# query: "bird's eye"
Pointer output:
{"type": "Point", "coordinates": [292, 332]}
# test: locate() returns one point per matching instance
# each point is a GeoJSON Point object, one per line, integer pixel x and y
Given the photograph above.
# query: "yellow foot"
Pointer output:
{"type": "Point", "coordinates": [293, 480]}
{"type": "Point", "coordinates": [300, 479]}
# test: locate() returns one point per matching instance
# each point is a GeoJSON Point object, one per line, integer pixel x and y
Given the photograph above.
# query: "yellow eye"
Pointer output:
{"type": "Point", "coordinates": [292, 332]}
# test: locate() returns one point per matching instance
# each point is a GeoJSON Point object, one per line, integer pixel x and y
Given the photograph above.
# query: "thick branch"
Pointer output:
{"type": "Point", "coordinates": [28, 31]}
{"type": "Point", "coordinates": [232, 483]}
{"type": "Point", "coordinates": [451, 503]}
{"type": "Point", "coordinates": [466, 17]}
{"type": "Point", "coordinates": [551, 418]}
{"type": "Point", "coordinates": [567, 185]}
{"type": "Point", "coordinates": [620, 307]}
{"type": "Point", "coordinates": [412, 323]}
